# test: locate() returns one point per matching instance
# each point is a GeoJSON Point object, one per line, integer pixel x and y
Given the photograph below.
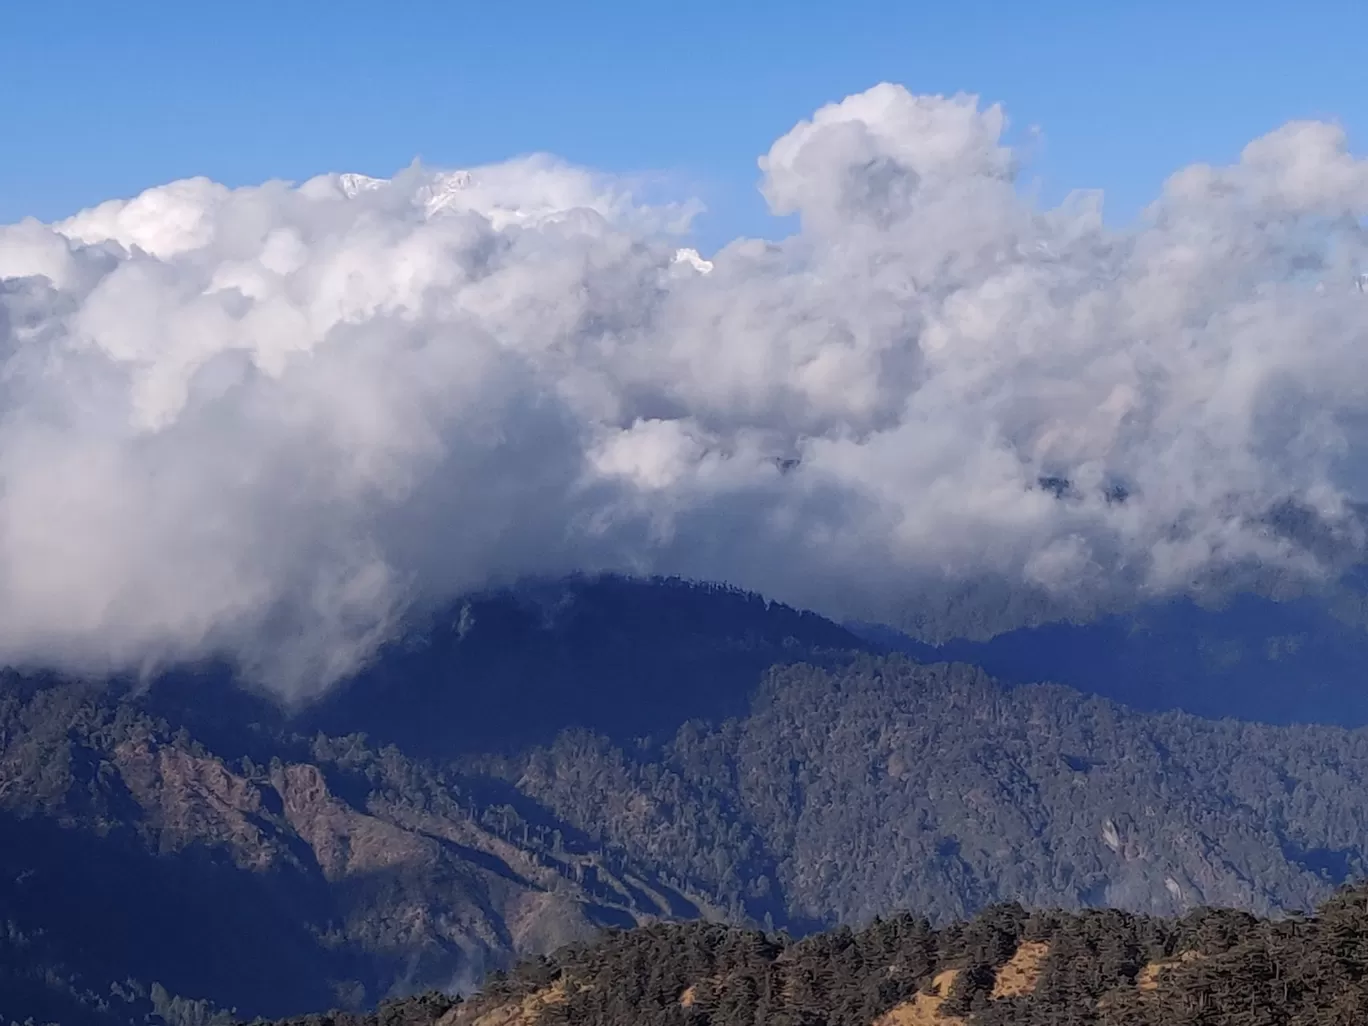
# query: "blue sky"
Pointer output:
{"type": "Point", "coordinates": [105, 99]}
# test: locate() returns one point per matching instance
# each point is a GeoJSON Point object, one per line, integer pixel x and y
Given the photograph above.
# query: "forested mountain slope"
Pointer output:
{"type": "Point", "coordinates": [885, 784]}
{"type": "Point", "coordinates": [186, 842]}
{"type": "Point", "coordinates": [623, 657]}
{"type": "Point", "coordinates": [191, 835]}
{"type": "Point", "coordinates": [132, 855]}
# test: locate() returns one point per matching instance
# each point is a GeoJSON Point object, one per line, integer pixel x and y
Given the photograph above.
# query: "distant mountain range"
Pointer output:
{"type": "Point", "coordinates": [531, 766]}
{"type": "Point", "coordinates": [1301, 660]}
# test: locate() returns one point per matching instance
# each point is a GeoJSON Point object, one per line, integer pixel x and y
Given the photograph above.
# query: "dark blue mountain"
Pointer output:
{"type": "Point", "coordinates": [1252, 658]}
{"type": "Point", "coordinates": [620, 656]}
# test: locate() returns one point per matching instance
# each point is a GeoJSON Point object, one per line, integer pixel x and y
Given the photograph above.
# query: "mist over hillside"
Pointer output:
{"type": "Point", "coordinates": [1008, 966]}
{"type": "Point", "coordinates": [269, 425]}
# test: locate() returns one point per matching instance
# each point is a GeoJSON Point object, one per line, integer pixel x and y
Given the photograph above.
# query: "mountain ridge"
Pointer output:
{"type": "Point", "coordinates": [250, 860]}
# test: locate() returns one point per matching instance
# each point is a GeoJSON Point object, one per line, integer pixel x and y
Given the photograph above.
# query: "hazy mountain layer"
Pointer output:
{"type": "Point", "coordinates": [1299, 660]}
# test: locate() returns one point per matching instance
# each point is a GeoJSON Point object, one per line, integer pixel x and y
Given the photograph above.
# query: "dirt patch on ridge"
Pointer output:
{"type": "Point", "coordinates": [1018, 977]}
{"type": "Point", "coordinates": [924, 1009]}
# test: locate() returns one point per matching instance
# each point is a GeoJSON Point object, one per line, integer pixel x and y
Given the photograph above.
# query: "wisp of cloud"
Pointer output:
{"type": "Point", "coordinates": [266, 423]}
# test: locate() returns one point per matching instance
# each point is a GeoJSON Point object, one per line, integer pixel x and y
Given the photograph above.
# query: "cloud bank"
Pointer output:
{"type": "Point", "coordinates": [265, 423]}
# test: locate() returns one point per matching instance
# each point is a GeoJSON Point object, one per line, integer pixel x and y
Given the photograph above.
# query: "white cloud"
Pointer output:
{"type": "Point", "coordinates": [265, 422]}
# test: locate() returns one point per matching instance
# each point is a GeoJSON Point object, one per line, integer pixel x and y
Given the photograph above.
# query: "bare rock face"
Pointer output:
{"type": "Point", "coordinates": [196, 799]}
{"type": "Point", "coordinates": [333, 876]}
{"type": "Point", "coordinates": [346, 842]}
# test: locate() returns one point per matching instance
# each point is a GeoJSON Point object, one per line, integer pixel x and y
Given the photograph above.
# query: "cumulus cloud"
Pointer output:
{"type": "Point", "coordinates": [266, 423]}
